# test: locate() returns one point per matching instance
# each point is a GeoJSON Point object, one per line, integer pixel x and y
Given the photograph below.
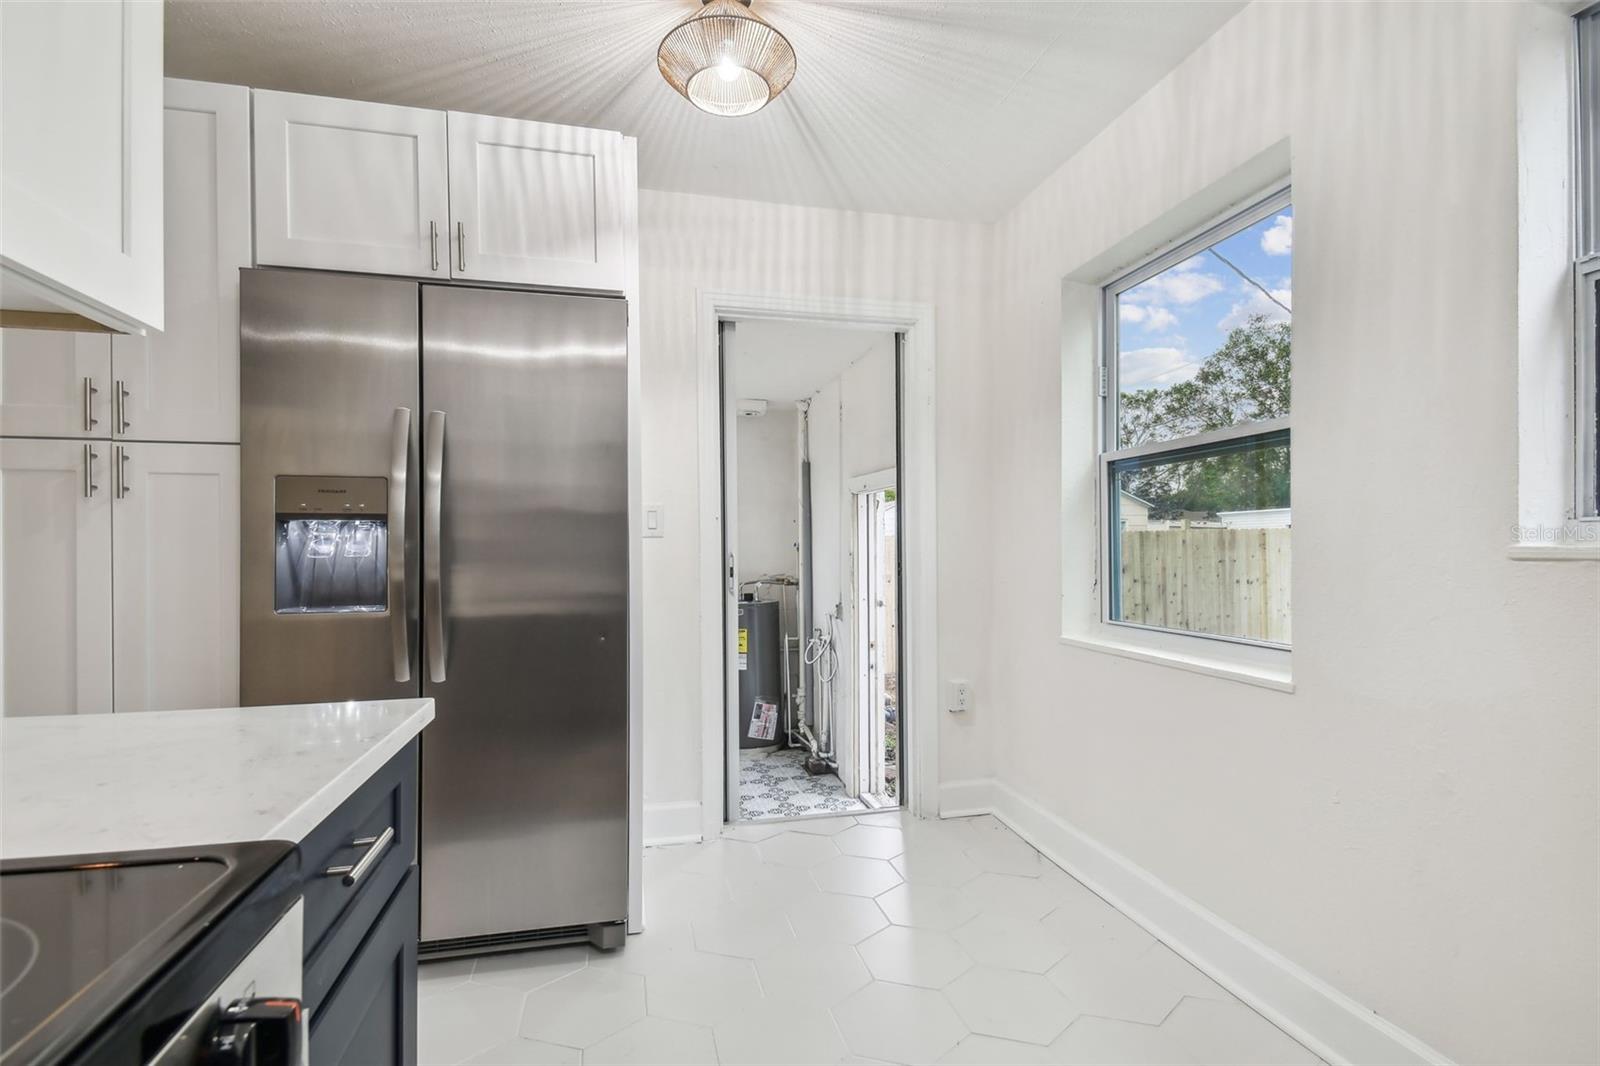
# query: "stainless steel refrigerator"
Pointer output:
{"type": "Point", "coordinates": [434, 485]}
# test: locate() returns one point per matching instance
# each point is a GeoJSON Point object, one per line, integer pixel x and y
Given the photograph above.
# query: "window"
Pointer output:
{"type": "Point", "coordinates": [1586, 272]}
{"type": "Point", "coordinates": [1195, 456]}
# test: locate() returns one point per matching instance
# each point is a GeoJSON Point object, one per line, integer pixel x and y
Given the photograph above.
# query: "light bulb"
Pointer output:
{"type": "Point", "coordinates": [727, 69]}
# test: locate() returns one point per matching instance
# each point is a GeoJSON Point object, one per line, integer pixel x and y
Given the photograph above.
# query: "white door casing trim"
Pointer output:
{"type": "Point", "coordinates": [918, 457]}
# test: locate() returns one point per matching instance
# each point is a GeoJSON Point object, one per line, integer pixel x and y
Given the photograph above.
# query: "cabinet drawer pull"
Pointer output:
{"type": "Point", "coordinates": [89, 393]}
{"type": "Point", "coordinates": [461, 240]}
{"type": "Point", "coordinates": [375, 846]}
{"type": "Point", "coordinates": [433, 242]}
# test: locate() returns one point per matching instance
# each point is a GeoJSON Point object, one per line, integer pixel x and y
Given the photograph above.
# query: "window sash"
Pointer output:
{"type": "Point", "coordinates": [1586, 389]}
{"type": "Point", "coordinates": [1586, 129]}
{"type": "Point", "coordinates": [1270, 433]}
{"type": "Point", "coordinates": [1110, 369]}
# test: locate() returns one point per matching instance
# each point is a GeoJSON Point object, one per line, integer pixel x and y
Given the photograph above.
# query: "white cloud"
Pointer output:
{"type": "Point", "coordinates": [1185, 283]}
{"type": "Point", "coordinates": [1279, 238]}
{"type": "Point", "coordinates": [1255, 302]}
{"type": "Point", "coordinates": [1144, 368]}
{"type": "Point", "coordinates": [1153, 317]}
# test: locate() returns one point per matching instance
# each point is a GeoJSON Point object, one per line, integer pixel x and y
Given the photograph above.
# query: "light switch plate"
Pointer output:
{"type": "Point", "coordinates": [655, 520]}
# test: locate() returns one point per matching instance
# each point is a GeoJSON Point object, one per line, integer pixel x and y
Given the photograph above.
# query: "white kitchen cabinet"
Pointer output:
{"type": "Point", "coordinates": [80, 160]}
{"type": "Point", "coordinates": [347, 185]}
{"type": "Point", "coordinates": [55, 383]}
{"type": "Point", "coordinates": [55, 577]}
{"type": "Point", "coordinates": [175, 557]}
{"type": "Point", "coordinates": [183, 383]}
{"type": "Point", "coordinates": [534, 203]}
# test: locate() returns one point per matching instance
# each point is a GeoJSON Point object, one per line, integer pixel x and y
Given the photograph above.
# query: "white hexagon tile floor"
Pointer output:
{"type": "Point", "coordinates": [864, 938]}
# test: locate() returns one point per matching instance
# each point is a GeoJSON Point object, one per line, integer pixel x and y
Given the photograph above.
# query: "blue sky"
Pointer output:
{"type": "Point", "coordinates": [1170, 323]}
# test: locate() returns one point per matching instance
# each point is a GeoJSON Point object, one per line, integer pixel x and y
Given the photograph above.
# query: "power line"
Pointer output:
{"type": "Point", "coordinates": [1264, 290]}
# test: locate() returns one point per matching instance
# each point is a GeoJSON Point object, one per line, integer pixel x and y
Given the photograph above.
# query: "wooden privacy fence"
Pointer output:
{"type": "Point", "coordinates": [1231, 582]}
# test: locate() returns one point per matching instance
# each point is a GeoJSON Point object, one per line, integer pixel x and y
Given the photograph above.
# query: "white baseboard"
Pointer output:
{"type": "Point", "coordinates": [963, 799]}
{"type": "Point", "coordinates": [1315, 1013]}
{"type": "Point", "coordinates": [671, 823]}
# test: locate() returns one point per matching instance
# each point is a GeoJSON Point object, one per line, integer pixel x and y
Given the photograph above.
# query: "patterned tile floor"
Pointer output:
{"type": "Point", "coordinates": [773, 783]}
{"type": "Point", "coordinates": [867, 938]}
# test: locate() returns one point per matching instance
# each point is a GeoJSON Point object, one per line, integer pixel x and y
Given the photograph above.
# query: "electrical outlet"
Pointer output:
{"type": "Point", "coordinates": [960, 697]}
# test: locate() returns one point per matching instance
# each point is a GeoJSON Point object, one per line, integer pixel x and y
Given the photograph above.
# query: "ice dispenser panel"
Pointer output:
{"type": "Point", "coordinates": [332, 544]}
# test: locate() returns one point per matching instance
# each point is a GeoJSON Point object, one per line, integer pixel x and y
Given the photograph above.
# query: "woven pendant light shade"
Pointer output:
{"type": "Point", "coordinates": [725, 59]}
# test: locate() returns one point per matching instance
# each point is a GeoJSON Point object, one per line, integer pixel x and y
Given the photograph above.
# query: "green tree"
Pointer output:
{"type": "Point", "coordinates": [1245, 380]}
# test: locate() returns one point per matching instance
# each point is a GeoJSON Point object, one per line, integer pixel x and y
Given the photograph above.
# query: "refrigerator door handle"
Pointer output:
{"type": "Point", "coordinates": [432, 550]}
{"type": "Point", "coordinates": [399, 605]}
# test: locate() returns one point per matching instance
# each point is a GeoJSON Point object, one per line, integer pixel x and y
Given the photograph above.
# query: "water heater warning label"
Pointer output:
{"type": "Point", "coordinates": [744, 641]}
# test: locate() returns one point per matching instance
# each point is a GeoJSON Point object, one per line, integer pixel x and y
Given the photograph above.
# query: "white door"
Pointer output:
{"type": "Point", "coordinates": [183, 383]}
{"type": "Point", "coordinates": [535, 203]}
{"type": "Point", "coordinates": [54, 383]}
{"type": "Point", "coordinates": [347, 185]}
{"type": "Point", "coordinates": [55, 577]}
{"type": "Point", "coordinates": [80, 155]}
{"type": "Point", "coordinates": [175, 551]}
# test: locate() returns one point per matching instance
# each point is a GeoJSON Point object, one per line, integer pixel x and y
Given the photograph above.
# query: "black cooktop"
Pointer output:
{"type": "Point", "coordinates": [115, 951]}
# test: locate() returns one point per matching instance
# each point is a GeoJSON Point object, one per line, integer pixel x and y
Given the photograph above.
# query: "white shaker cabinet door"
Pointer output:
{"type": "Point", "coordinates": [534, 203]}
{"type": "Point", "coordinates": [183, 384]}
{"type": "Point", "coordinates": [54, 383]}
{"type": "Point", "coordinates": [80, 160]}
{"type": "Point", "coordinates": [348, 185]}
{"type": "Point", "coordinates": [55, 576]}
{"type": "Point", "coordinates": [175, 547]}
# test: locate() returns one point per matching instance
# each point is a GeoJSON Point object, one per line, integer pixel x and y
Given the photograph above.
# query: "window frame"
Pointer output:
{"type": "Point", "coordinates": [1586, 264]}
{"type": "Point", "coordinates": [1274, 199]}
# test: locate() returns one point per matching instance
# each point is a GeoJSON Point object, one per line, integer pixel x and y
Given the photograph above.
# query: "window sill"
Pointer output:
{"type": "Point", "coordinates": [1262, 667]}
{"type": "Point", "coordinates": [1543, 552]}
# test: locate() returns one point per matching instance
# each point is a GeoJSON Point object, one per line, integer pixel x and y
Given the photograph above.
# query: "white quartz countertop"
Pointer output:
{"type": "Point", "coordinates": [77, 784]}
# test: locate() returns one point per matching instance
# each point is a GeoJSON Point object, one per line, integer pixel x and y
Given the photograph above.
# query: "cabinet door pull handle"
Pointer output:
{"type": "Point", "coordinates": [89, 457]}
{"type": "Point", "coordinates": [120, 396]}
{"type": "Point", "coordinates": [375, 846]}
{"type": "Point", "coordinates": [119, 473]}
{"type": "Point", "coordinates": [461, 240]}
{"type": "Point", "coordinates": [89, 393]}
{"type": "Point", "coordinates": [433, 242]}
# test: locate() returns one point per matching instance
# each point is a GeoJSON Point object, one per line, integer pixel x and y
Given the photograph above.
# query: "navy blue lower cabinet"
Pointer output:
{"type": "Point", "coordinates": [360, 890]}
{"type": "Point", "coordinates": [369, 1017]}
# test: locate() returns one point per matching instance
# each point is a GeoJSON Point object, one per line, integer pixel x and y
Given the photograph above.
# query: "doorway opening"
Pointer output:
{"type": "Point", "coordinates": [812, 551]}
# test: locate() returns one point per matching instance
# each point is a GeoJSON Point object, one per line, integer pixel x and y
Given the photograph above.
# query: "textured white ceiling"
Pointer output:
{"type": "Point", "coordinates": [786, 361]}
{"type": "Point", "coordinates": [913, 107]}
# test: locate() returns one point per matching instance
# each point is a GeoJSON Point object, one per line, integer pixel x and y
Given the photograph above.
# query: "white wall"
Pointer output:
{"type": "Point", "coordinates": [1416, 822]}
{"type": "Point", "coordinates": [691, 244]}
{"type": "Point", "coordinates": [768, 493]}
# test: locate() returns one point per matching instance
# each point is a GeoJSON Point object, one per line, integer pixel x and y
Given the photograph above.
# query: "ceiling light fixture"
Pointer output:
{"type": "Point", "coordinates": [725, 59]}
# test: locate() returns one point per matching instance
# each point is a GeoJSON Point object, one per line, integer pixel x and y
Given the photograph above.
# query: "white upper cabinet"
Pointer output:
{"type": "Point", "coordinates": [175, 552]}
{"type": "Point", "coordinates": [55, 561]}
{"type": "Point", "coordinates": [80, 160]}
{"type": "Point", "coordinates": [183, 384]}
{"type": "Point", "coordinates": [346, 185]}
{"type": "Point", "coordinates": [535, 204]}
{"type": "Point", "coordinates": [54, 383]}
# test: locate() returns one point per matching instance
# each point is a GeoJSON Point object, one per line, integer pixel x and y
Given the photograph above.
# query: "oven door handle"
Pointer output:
{"type": "Point", "coordinates": [399, 605]}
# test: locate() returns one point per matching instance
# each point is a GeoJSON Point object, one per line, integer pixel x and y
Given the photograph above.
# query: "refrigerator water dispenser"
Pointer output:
{"type": "Point", "coordinates": [332, 545]}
